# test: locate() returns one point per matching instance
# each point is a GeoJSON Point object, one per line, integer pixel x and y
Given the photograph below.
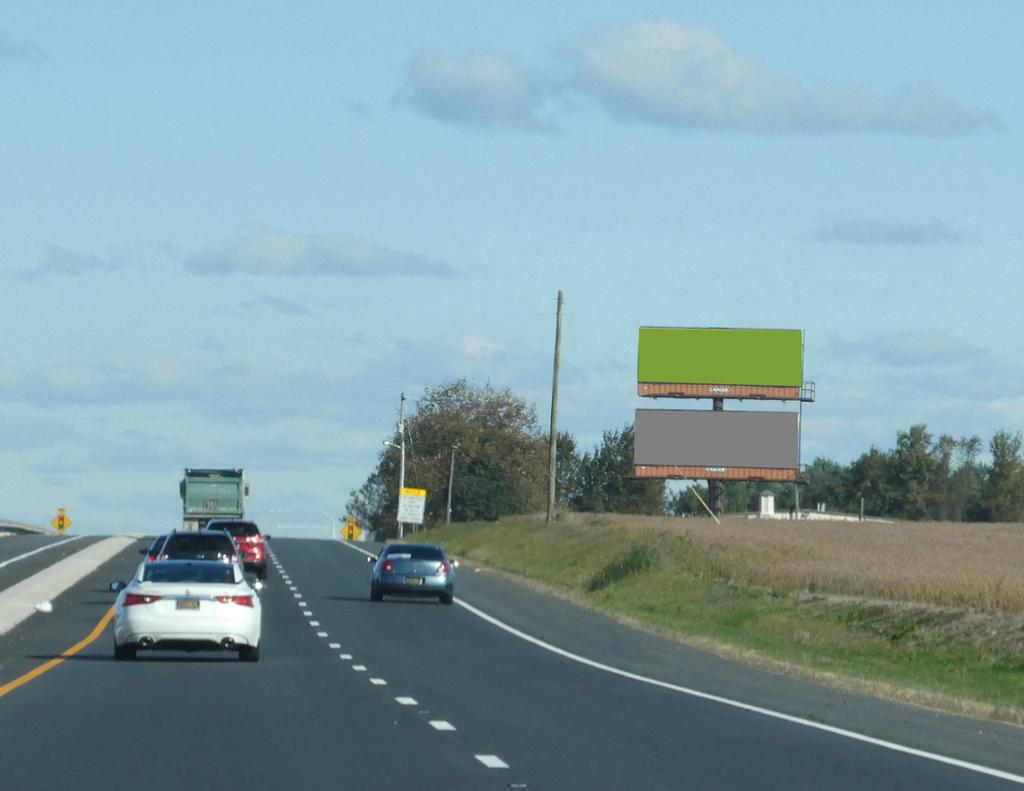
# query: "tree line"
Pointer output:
{"type": "Point", "coordinates": [501, 460]}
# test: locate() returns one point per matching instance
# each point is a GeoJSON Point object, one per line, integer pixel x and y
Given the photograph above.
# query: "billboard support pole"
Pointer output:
{"type": "Point", "coordinates": [401, 462]}
{"type": "Point", "coordinates": [716, 488]}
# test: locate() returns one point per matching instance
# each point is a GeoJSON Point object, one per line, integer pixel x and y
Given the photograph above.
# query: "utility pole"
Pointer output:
{"type": "Point", "coordinates": [451, 477]}
{"type": "Point", "coordinates": [553, 447]}
{"type": "Point", "coordinates": [401, 462]}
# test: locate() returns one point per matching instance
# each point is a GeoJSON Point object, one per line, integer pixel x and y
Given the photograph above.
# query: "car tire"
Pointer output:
{"type": "Point", "coordinates": [375, 594]}
{"type": "Point", "coordinates": [124, 653]}
{"type": "Point", "coordinates": [446, 598]}
{"type": "Point", "coordinates": [249, 653]}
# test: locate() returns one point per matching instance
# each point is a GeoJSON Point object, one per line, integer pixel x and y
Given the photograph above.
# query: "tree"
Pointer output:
{"type": "Point", "coordinates": [913, 469]}
{"type": "Point", "coordinates": [606, 482]}
{"type": "Point", "coordinates": [869, 477]}
{"type": "Point", "coordinates": [500, 458]}
{"type": "Point", "coordinates": [825, 484]}
{"type": "Point", "coordinates": [1004, 487]}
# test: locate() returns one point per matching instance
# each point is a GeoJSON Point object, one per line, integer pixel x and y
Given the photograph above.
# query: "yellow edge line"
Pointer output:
{"type": "Point", "coordinates": [10, 686]}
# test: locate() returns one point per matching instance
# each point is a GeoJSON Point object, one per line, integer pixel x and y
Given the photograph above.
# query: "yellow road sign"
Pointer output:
{"type": "Point", "coordinates": [409, 492]}
{"type": "Point", "coordinates": [61, 521]}
{"type": "Point", "coordinates": [351, 531]}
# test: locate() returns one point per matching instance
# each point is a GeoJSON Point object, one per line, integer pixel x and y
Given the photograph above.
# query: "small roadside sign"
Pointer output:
{"type": "Point", "coordinates": [411, 505]}
{"type": "Point", "coordinates": [351, 531]}
{"type": "Point", "coordinates": [61, 521]}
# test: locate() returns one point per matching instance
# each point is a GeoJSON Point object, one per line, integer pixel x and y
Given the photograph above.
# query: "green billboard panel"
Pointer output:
{"type": "Point", "coordinates": [700, 355]}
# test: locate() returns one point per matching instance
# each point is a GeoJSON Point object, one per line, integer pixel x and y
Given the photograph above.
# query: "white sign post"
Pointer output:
{"type": "Point", "coordinates": [411, 505]}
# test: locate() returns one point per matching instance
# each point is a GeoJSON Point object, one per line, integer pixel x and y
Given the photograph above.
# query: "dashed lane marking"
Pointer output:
{"type": "Point", "coordinates": [378, 682]}
{"type": "Point", "coordinates": [314, 623]}
{"type": "Point", "coordinates": [406, 701]}
{"type": "Point", "coordinates": [321, 634]}
{"type": "Point", "coordinates": [307, 613]}
{"type": "Point", "coordinates": [334, 646]}
{"type": "Point", "coordinates": [491, 761]}
{"type": "Point", "coordinates": [441, 725]}
{"type": "Point", "coordinates": [359, 668]}
{"type": "Point", "coordinates": [344, 656]}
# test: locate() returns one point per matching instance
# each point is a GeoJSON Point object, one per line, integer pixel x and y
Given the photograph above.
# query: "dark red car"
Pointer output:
{"type": "Point", "coordinates": [250, 541]}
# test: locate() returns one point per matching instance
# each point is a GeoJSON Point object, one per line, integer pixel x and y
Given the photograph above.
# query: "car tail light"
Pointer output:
{"type": "Point", "coordinates": [139, 598]}
{"type": "Point", "coordinates": [444, 568]}
{"type": "Point", "coordinates": [388, 567]}
{"type": "Point", "coordinates": [245, 601]}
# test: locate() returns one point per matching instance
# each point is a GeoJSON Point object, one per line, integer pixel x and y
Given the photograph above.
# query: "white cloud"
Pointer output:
{"type": "Point", "coordinates": [20, 50]}
{"type": "Point", "coordinates": [61, 261]}
{"type": "Point", "coordinates": [873, 232]}
{"type": "Point", "coordinates": [266, 252]}
{"type": "Point", "coordinates": [483, 89]}
{"type": "Point", "coordinates": [666, 72]}
{"type": "Point", "coordinates": [288, 307]}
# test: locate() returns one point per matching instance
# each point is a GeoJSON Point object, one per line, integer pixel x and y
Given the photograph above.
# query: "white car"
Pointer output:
{"type": "Point", "coordinates": [187, 605]}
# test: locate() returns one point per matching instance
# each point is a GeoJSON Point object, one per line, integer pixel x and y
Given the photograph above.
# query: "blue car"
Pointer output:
{"type": "Point", "coordinates": [412, 570]}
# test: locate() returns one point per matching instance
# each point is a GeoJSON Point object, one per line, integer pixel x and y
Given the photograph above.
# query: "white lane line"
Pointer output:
{"type": "Point", "coordinates": [778, 715]}
{"type": "Point", "coordinates": [378, 682]}
{"type": "Point", "coordinates": [334, 646]}
{"type": "Point", "coordinates": [321, 634]}
{"type": "Point", "coordinates": [314, 623]}
{"type": "Point", "coordinates": [297, 595]}
{"type": "Point", "coordinates": [406, 701]}
{"type": "Point", "coordinates": [359, 668]}
{"type": "Point", "coordinates": [308, 613]}
{"type": "Point", "coordinates": [491, 761]}
{"type": "Point", "coordinates": [344, 656]}
{"type": "Point", "coordinates": [303, 604]}
{"type": "Point", "coordinates": [9, 561]}
{"type": "Point", "coordinates": [441, 725]}
{"type": "Point", "coordinates": [292, 588]}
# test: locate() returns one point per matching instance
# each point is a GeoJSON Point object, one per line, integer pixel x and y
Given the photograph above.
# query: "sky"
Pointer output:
{"type": "Point", "coordinates": [234, 233]}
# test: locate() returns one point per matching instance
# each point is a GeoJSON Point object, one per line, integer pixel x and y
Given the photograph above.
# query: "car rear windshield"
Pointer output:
{"type": "Point", "coordinates": [196, 544]}
{"type": "Point", "coordinates": [189, 572]}
{"type": "Point", "coordinates": [416, 552]}
{"type": "Point", "coordinates": [236, 529]}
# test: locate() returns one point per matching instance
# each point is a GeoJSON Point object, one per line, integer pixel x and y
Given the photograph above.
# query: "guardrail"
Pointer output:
{"type": "Point", "coordinates": [7, 526]}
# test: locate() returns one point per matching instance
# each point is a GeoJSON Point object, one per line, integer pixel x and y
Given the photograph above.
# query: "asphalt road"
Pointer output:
{"type": "Point", "coordinates": [314, 711]}
{"type": "Point", "coordinates": [22, 556]}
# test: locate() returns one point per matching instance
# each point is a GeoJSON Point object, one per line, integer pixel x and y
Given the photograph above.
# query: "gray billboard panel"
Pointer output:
{"type": "Point", "coordinates": [699, 438]}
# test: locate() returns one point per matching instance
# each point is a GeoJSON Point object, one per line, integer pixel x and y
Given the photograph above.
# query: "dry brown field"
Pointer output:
{"type": "Point", "coordinates": [945, 564]}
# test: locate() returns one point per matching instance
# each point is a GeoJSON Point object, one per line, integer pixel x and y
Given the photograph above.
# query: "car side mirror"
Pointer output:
{"type": "Point", "coordinates": [266, 536]}
{"type": "Point", "coordinates": [371, 559]}
{"type": "Point", "coordinates": [455, 562]}
{"type": "Point", "coordinates": [117, 587]}
{"type": "Point", "coordinates": [143, 551]}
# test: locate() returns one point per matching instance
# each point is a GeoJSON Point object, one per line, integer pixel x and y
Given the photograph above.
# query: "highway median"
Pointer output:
{"type": "Point", "coordinates": [925, 613]}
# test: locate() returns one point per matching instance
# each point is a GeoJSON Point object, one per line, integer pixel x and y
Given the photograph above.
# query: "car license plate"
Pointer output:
{"type": "Point", "coordinates": [414, 580]}
{"type": "Point", "coordinates": [187, 604]}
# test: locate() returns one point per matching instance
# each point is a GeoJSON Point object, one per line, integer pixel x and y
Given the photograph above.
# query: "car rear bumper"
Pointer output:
{"type": "Point", "coordinates": [136, 628]}
{"type": "Point", "coordinates": [397, 585]}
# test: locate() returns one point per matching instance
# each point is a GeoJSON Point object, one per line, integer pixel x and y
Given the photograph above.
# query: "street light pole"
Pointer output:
{"type": "Point", "coordinates": [451, 477]}
{"type": "Point", "coordinates": [401, 462]}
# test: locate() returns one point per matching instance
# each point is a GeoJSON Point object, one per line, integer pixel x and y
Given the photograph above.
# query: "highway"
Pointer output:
{"type": "Point", "coordinates": [515, 690]}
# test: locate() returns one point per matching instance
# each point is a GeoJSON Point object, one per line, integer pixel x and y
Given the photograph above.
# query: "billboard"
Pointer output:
{"type": "Point", "coordinates": [717, 362]}
{"type": "Point", "coordinates": [739, 445]}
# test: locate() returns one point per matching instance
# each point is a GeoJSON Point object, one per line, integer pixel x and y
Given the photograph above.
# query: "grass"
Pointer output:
{"type": "Point", "coordinates": [931, 613]}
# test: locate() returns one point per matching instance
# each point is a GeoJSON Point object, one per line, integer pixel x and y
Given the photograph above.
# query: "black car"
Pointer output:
{"type": "Point", "coordinates": [204, 545]}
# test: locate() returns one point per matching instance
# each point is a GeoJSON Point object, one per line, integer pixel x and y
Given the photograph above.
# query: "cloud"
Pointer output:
{"type": "Point", "coordinates": [283, 305]}
{"type": "Point", "coordinates": [666, 72]}
{"type": "Point", "coordinates": [908, 350]}
{"type": "Point", "coordinates": [265, 252]}
{"type": "Point", "coordinates": [873, 232]}
{"type": "Point", "coordinates": [484, 89]}
{"type": "Point", "coordinates": [21, 51]}
{"type": "Point", "coordinates": [61, 261]}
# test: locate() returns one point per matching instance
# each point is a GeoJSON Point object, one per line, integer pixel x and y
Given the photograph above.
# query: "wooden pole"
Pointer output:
{"type": "Point", "coordinates": [553, 443]}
